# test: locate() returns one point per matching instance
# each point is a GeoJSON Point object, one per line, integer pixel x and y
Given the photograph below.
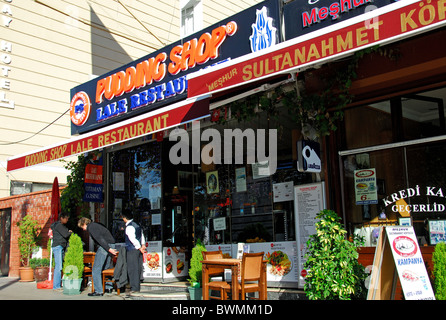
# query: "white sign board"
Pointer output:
{"type": "Point", "coordinates": [409, 263]}
{"type": "Point", "coordinates": [309, 200]}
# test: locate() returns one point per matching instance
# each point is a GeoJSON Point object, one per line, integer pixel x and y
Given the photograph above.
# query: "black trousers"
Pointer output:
{"type": "Point", "coordinates": [134, 269]}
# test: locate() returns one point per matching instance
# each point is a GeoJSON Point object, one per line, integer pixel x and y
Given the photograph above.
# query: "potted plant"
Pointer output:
{"type": "Point", "coordinates": [41, 267]}
{"type": "Point", "coordinates": [28, 237]}
{"type": "Point", "coordinates": [334, 272]}
{"type": "Point", "coordinates": [73, 266]}
{"type": "Point", "coordinates": [439, 271]}
{"type": "Point", "coordinates": [195, 271]}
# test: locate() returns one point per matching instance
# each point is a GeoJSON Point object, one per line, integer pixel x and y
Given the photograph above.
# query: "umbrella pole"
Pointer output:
{"type": "Point", "coordinates": [51, 260]}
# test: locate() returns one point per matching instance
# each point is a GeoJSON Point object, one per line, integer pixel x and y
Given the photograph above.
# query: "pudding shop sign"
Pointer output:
{"type": "Point", "coordinates": [160, 77]}
{"type": "Point", "coordinates": [387, 24]}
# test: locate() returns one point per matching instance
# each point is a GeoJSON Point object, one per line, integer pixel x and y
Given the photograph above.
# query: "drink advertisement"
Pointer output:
{"type": "Point", "coordinates": [409, 263]}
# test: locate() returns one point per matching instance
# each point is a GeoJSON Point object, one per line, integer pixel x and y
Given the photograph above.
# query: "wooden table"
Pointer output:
{"type": "Point", "coordinates": [232, 264]}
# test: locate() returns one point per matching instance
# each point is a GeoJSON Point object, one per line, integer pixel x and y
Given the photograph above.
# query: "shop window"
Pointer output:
{"type": "Point", "coordinates": [135, 183]}
{"type": "Point", "coordinates": [233, 202]}
{"type": "Point", "coordinates": [403, 118]}
{"type": "Point", "coordinates": [403, 149]}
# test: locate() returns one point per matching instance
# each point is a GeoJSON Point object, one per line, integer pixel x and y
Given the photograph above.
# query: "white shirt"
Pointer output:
{"type": "Point", "coordinates": [131, 234]}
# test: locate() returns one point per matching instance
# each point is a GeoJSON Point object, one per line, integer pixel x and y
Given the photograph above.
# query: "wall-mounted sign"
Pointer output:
{"type": "Point", "coordinates": [384, 25]}
{"type": "Point", "coordinates": [301, 17]}
{"type": "Point", "coordinates": [308, 156]}
{"type": "Point", "coordinates": [160, 77]}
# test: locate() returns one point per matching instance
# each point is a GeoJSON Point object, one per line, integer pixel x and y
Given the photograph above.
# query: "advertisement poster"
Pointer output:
{"type": "Point", "coordinates": [226, 249]}
{"type": "Point", "coordinates": [409, 264]}
{"type": "Point", "coordinates": [366, 191]}
{"type": "Point", "coordinates": [437, 231]}
{"type": "Point", "coordinates": [174, 263]}
{"type": "Point", "coordinates": [153, 260]}
{"type": "Point", "coordinates": [309, 200]}
{"type": "Point", "coordinates": [282, 261]}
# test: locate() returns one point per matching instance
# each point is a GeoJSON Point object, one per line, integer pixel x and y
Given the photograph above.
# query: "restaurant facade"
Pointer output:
{"type": "Point", "coordinates": [242, 133]}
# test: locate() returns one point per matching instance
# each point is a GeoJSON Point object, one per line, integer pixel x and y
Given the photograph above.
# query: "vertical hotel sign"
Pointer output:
{"type": "Point", "coordinates": [6, 50]}
{"type": "Point", "coordinates": [381, 26]}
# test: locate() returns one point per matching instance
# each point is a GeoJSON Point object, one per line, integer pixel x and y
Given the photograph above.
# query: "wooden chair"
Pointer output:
{"type": "Point", "coordinates": [108, 276]}
{"type": "Point", "coordinates": [250, 277]}
{"type": "Point", "coordinates": [88, 268]}
{"type": "Point", "coordinates": [215, 272]}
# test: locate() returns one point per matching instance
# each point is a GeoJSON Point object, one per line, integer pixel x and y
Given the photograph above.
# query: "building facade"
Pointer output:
{"type": "Point", "coordinates": [49, 47]}
{"type": "Point", "coordinates": [244, 149]}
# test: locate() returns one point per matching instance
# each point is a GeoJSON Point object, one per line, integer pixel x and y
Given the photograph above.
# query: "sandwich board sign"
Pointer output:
{"type": "Point", "coordinates": [398, 253]}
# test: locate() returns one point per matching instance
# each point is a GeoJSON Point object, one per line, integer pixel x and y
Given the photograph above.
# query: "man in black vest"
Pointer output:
{"type": "Point", "coordinates": [135, 246]}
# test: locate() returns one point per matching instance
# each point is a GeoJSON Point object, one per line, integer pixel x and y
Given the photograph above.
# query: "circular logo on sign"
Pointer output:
{"type": "Point", "coordinates": [404, 246]}
{"type": "Point", "coordinates": [80, 108]}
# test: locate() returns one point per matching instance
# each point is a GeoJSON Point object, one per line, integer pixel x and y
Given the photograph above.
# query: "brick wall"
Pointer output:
{"type": "Point", "coordinates": [36, 204]}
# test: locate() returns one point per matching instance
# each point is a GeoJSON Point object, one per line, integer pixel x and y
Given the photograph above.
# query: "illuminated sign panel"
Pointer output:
{"type": "Point", "coordinates": [160, 78]}
{"type": "Point", "coordinates": [301, 17]}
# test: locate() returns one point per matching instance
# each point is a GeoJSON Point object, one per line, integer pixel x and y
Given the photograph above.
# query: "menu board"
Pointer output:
{"type": "Point", "coordinates": [153, 260]}
{"type": "Point", "coordinates": [409, 263]}
{"type": "Point", "coordinates": [309, 200]}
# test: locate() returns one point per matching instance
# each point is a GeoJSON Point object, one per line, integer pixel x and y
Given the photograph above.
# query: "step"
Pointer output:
{"type": "Point", "coordinates": [178, 291]}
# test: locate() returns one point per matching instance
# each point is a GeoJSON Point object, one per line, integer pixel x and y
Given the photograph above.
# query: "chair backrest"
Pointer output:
{"type": "Point", "coordinates": [89, 257]}
{"type": "Point", "coordinates": [252, 266]}
{"type": "Point", "coordinates": [211, 255]}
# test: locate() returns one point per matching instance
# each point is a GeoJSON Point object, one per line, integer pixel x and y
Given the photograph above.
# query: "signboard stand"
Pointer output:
{"type": "Point", "coordinates": [383, 277]}
{"type": "Point", "coordinates": [398, 252]}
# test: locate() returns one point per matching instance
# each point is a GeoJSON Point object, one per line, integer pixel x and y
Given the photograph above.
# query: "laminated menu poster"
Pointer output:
{"type": "Point", "coordinates": [409, 263]}
{"type": "Point", "coordinates": [153, 260]}
{"type": "Point", "coordinates": [309, 200]}
{"type": "Point", "coordinates": [174, 262]}
{"type": "Point", "coordinates": [282, 261]}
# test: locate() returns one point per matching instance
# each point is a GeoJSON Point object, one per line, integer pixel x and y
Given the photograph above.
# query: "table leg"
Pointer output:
{"type": "Point", "coordinates": [234, 280]}
{"type": "Point", "coordinates": [205, 282]}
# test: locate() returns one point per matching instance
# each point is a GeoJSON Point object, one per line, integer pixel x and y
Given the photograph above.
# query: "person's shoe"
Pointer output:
{"type": "Point", "coordinates": [95, 294]}
{"type": "Point", "coordinates": [108, 290]}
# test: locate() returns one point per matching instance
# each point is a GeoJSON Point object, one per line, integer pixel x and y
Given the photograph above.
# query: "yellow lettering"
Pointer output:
{"type": "Point", "coordinates": [148, 126]}
{"type": "Point", "coordinates": [360, 36]}
{"type": "Point", "coordinates": [407, 20]}
{"type": "Point", "coordinates": [314, 53]}
{"type": "Point", "coordinates": [326, 47]}
{"type": "Point", "coordinates": [247, 72]}
{"type": "Point", "coordinates": [344, 44]}
{"type": "Point", "coordinates": [299, 55]}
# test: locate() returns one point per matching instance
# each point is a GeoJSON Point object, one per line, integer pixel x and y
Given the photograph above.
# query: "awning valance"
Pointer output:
{"type": "Point", "coordinates": [145, 124]}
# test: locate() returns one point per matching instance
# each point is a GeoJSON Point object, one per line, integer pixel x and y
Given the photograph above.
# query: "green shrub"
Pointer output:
{"type": "Point", "coordinates": [195, 268]}
{"type": "Point", "coordinates": [28, 237]}
{"type": "Point", "coordinates": [73, 264]}
{"type": "Point", "coordinates": [439, 271]}
{"type": "Point", "coordinates": [334, 272]}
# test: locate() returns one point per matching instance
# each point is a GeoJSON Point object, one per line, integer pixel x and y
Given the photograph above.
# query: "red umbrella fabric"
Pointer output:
{"type": "Point", "coordinates": [55, 201]}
